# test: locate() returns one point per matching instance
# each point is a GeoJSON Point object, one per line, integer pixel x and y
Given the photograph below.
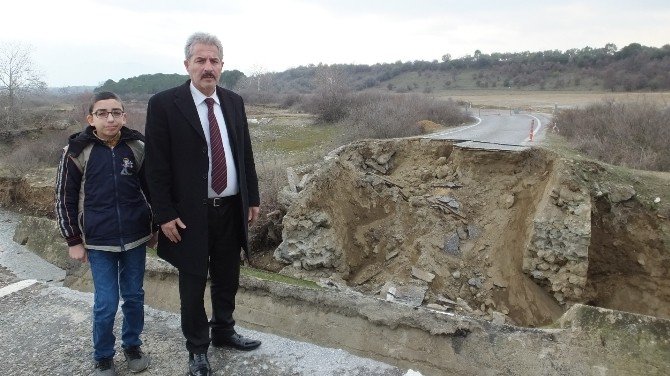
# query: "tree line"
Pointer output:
{"type": "Point", "coordinates": [154, 83]}
{"type": "Point", "coordinates": [632, 68]}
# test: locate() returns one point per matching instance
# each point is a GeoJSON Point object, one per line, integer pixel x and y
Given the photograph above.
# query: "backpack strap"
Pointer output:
{"type": "Point", "coordinates": [137, 147]}
{"type": "Point", "coordinates": [81, 159]}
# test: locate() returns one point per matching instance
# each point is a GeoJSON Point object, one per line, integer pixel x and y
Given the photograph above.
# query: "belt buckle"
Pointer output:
{"type": "Point", "coordinates": [216, 202]}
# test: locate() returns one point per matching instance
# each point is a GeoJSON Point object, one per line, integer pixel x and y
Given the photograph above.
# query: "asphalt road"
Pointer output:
{"type": "Point", "coordinates": [499, 130]}
{"type": "Point", "coordinates": [45, 329]}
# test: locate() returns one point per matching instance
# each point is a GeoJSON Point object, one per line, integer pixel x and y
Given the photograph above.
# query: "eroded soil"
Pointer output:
{"type": "Point", "coordinates": [501, 235]}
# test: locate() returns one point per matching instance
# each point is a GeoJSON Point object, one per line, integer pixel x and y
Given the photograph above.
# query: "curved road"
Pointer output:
{"type": "Point", "coordinates": [498, 130]}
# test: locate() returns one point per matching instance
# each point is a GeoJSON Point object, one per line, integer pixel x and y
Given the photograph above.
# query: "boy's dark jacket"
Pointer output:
{"type": "Point", "coordinates": [104, 206]}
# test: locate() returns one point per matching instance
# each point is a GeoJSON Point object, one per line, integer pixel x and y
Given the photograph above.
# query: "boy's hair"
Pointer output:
{"type": "Point", "coordinates": [202, 38]}
{"type": "Point", "coordinates": [101, 96]}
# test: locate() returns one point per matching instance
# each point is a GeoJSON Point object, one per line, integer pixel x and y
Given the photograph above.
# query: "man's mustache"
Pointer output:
{"type": "Point", "coordinates": [208, 75]}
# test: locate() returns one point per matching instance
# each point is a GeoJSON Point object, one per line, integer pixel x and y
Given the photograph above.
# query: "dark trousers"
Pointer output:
{"type": "Point", "coordinates": [225, 242]}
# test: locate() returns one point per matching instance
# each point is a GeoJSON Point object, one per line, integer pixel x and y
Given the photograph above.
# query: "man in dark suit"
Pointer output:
{"type": "Point", "coordinates": [204, 189]}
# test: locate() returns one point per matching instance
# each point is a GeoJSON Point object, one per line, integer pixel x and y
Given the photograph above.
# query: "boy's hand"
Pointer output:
{"type": "Point", "coordinates": [78, 252]}
{"type": "Point", "coordinates": [151, 243]}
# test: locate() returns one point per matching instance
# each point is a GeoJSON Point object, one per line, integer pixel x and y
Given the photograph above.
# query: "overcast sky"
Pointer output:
{"type": "Point", "coordinates": [85, 42]}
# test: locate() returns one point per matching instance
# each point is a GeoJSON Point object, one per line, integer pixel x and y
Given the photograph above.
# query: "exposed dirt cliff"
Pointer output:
{"type": "Point", "coordinates": [518, 236]}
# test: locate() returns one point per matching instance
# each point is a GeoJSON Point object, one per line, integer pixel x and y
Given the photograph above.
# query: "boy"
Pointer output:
{"type": "Point", "coordinates": [105, 217]}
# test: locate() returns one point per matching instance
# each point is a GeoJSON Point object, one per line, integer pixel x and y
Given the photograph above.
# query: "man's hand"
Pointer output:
{"type": "Point", "coordinates": [78, 252]}
{"type": "Point", "coordinates": [253, 214]}
{"type": "Point", "coordinates": [171, 229]}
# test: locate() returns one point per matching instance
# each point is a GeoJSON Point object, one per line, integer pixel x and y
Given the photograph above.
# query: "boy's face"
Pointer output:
{"type": "Point", "coordinates": [107, 118]}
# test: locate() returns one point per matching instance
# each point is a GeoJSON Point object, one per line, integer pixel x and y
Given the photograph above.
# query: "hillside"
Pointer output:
{"type": "Point", "coordinates": [633, 68]}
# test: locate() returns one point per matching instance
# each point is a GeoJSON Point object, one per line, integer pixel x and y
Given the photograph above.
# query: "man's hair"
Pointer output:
{"type": "Point", "coordinates": [101, 96]}
{"type": "Point", "coordinates": [202, 38]}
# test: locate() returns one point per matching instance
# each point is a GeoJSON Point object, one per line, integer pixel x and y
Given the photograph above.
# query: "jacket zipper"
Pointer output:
{"type": "Point", "coordinates": [116, 194]}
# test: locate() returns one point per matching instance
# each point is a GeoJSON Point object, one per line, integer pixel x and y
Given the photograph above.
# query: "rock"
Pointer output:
{"type": "Point", "coordinates": [475, 282]}
{"type": "Point", "coordinates": [412, 295]}
{"type": "Point", "coordinates": [441, 299]}
{"type": "Point", "coordinates": [442, 172]}
{"type": "Point", "coordinates": [463, 304]}
{"type": "Point", "coordinates": [286, 197]}
{"type": "Point", "coordinates": [506, 201]}
{"type": "Point", "coordinates": [462, 233]}
{"type": "Point", "coordinates": [473, 231]}
{"type": "Point", "coordinates": [498, 318]}
{"type": "Point", "coordinates": [620, 193]}
{"type": "Point", "coordinates": [292, 180]}
{"type": "Point", "coordinates": [391, 255]}
{"type": "Point", "coordinates": [456, 274]}
{"type": "Point", "coordinates": [422, 274]}
{"type": "Point", "coordinates": [437, 307]}
{"type": "Point", "coordinates": [452, 244]}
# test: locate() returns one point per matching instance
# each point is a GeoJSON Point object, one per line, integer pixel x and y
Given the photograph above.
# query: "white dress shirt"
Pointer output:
{"type": "Point", "coordinates": [199, 98]}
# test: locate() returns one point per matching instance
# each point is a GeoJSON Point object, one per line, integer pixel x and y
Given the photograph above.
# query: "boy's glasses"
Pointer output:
{"type": "Point", "coordinates": [103, 114]}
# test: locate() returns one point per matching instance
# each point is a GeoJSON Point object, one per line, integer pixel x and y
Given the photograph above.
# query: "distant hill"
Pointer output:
{"type": "Point", "coordinates": [154, 83]}
{"type": "Point", "coordinates": [633, 68]}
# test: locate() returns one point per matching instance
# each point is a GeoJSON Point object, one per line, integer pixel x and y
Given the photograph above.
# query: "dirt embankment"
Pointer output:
{"type": "Point", "coordinates": [505, 236]}
{"type": "Point", "coordinates": [32, 194]}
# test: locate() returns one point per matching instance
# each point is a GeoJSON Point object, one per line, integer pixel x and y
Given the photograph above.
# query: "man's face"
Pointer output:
{"type": "Point", "coordinates": [204, 67]}
{"type": "Point", "coordinates": [107, 118]}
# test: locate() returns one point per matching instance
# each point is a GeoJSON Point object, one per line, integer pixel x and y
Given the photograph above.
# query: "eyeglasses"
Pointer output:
{"type": "Point", "coordinates": [103, 114]}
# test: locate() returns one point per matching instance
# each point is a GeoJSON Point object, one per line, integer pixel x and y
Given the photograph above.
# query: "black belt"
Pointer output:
{"type": "Point", "coordinates": [220, 201]}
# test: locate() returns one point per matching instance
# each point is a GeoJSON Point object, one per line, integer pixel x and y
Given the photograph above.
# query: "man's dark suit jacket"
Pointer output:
{"type": "Point", "coordinates": [177, 167]}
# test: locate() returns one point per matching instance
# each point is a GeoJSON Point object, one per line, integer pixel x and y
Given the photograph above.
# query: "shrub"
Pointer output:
{"type": "Point", "coordinates": [631, 134]}
{"type": "Point", "coordinates": [28, 154]}
{"type": "Point", "coordinates": [381, 115]}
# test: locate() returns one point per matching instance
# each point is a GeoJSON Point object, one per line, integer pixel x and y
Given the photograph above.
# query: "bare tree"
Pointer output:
{"type": "Point", "coordinates": [18, 74]}
{"type": "Point", "coordinates": [331, 93]}
{"type": "Point", "coordinates": [258, 74]}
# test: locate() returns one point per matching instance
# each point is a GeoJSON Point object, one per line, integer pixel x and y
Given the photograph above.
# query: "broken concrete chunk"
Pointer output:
{"type": "Point", "coordinates": [412, 295]}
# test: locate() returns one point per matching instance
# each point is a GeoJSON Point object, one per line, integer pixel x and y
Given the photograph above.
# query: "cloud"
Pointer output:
{"type": "Point", "coordinates": [88, 41]}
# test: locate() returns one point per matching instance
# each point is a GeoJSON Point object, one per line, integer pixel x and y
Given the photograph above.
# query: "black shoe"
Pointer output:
{"type": "Point", "coordinates": [105, 367]}
{"type": "Point", "coordinates": [235, 341]}
{"type": "Point", "coordinates": [198, 365]}
{"type": "Point", "coordinates": [137, 360]}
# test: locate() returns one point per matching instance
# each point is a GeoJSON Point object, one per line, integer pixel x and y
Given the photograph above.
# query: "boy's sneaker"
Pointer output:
{"type": "Point", "coordinates": [137, 360]}
{"type": "Point", "coordinates": [105, 367]}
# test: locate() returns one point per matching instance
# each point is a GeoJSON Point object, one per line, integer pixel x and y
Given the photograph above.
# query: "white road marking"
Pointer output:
{"type": "Point", "coordinates": [539, 125]}
{"type": "Point", "coordinates": [479, 120]}
{"type": "Point", "coordinates": [17, 286]}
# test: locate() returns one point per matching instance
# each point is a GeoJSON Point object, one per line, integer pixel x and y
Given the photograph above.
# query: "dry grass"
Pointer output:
{"type": "Point", "coordinates": [633, 134]}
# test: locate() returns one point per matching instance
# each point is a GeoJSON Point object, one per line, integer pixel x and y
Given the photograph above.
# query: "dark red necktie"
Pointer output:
{"type": "Point", "coordinates": [219, 169]}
